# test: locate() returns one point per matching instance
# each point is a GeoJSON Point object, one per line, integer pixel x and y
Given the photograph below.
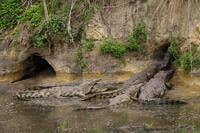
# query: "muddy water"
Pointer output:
{"type": "Point", "coordinates": [16, 117]}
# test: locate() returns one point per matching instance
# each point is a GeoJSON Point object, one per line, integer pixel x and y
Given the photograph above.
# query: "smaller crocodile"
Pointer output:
{"type": "Point", "coordinates": [59, 91]}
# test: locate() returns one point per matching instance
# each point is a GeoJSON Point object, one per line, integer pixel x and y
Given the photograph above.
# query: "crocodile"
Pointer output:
{"type": "Point", "coordinates": [81, 89]}
{"type": "Point", "coordinates": [153, 91]}
{"type": "Point", "coordinates": [58, 91]}
{"type": "Point", "coordinates": [156, 86]}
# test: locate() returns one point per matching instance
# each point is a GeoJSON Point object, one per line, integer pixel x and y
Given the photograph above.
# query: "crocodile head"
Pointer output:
{"type": "Point", "coordinates": [164, 75]}
{"type": "Point", "coordinates": [87, 86]}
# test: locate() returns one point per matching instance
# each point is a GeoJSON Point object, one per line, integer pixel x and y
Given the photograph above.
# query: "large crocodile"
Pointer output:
{"type": "Point", "coordinates": [153, 91]}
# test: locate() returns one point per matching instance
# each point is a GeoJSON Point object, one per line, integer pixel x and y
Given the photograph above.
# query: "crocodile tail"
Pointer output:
{"type": "Point", "coordinates": [27, 95]}
{"type": "Point", "coordinates": [162, 102]}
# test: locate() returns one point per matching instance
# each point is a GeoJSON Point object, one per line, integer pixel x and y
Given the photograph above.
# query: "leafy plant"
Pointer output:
{"type": "Point", "coordinates": [140, 33]}
{"type": "Point", "coordinates": [112, 47]}
{"type": "Point", "coordinates": [174, 49]}
{"type": "Point", "coordinates": [189, 59]}
{"type": "Point", "coordinates": [137, 39]}
{"type": "Point", "coordinates": [87, 44]}
{"type": "Point", "coordinates": [81, 61]}
{"type": "Point", "coordinates": [9, 13]}
{"type": "Point", "coordinates": [132, 44]}
{"type": "Point", "coordinates": [55, 26]}
{"type": "Point", "coordinates": [33, 15]}
{"type": "Point", "coordinates": [186, 60]}
{"type": "Point", "coordinates": [39, 40]}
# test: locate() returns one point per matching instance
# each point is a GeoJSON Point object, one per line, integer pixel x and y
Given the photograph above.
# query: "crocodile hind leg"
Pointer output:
{"type": "Point", "coordinates": [168, 85]}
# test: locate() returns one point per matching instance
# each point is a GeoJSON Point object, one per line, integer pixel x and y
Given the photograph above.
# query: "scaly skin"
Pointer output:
{"type": "Point", "coordinates": [153, 91]}
{"type": "Point", "coordinates": [59, 91]}
{"type": "Point", "coordinates": [156, 87]}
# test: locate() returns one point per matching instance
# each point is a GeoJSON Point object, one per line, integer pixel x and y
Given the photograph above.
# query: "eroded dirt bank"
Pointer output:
{"type": "Point", "coordinates": [162, 18]}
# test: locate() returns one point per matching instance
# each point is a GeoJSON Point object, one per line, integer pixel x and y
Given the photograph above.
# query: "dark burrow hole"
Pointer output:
{"type": "Point", "coordinates": [37, 65]}
{"type": "Point", "coordinates": [161, 51]}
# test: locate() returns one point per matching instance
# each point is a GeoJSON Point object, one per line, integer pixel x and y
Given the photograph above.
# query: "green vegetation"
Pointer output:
{"type": "Point", "coordinates": [10, 10]}
{"type": "Point", "coordinates": [174, 49]}
{"type": "Point", "coordinates": [187, 60]}
{"type": "Point", "coordinates": [140, 33]}
{"type": "Point", "coordinates": [137, 40]}
{"type": "Point", "coordinates": [87, 44]}
{"type": "Point", "coordinates": [81, 61]}
{"type": "Point", "coordinates": [39, 40]}
{"type": "Point", "coordinates": [112, 47]}
{"type": "Point", "coordinates": [55, 26]}
{"type": "Point", "coordinates": [33, 15]}
{"type": "Point", "coordinates": [132, 44]}
{"type": "Point", "coordinates": [59, 26]}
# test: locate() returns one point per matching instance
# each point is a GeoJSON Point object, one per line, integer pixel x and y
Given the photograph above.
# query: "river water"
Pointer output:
{"type": "Point", "coordinates": [17, 117]}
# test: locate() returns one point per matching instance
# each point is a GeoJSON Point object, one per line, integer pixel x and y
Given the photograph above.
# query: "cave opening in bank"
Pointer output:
{"type": "Point", "coordinates": [37, 66]}
{"type": "Point", "coordinates": [162, 50]}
